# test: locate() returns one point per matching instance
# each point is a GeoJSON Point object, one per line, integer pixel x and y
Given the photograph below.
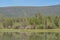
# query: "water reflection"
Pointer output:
{"type": "Point", "coordinates": [29, 36]}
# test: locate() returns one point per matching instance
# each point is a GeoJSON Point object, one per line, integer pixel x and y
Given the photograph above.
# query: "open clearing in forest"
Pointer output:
{"type": "Point", "coordinates": [29, 30]}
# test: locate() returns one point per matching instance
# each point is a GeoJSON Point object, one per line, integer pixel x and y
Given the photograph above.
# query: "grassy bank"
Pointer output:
{"type": "Point", "coordinates": [29, 30]}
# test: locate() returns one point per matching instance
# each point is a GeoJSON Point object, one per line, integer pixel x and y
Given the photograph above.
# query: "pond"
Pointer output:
{"type": "Point", "coordinates": [29, 36]}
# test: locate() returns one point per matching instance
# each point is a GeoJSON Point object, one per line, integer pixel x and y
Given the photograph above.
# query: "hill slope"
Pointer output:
{"type": "Point", "coordinates": [30, 10]}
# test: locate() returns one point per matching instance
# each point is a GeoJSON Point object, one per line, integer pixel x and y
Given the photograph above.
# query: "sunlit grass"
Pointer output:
{"type": "Point", "coordinates": [29, 30]}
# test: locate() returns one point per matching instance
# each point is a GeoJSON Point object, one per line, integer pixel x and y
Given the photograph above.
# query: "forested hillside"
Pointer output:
{"type": "Point", "coordinates": [30, 17]}
{"type": "Point", "coordinates": [21, 11]}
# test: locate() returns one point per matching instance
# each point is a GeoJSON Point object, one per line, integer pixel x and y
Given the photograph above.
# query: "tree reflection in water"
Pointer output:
{"type": "Point", "coordinates": [29, 36]}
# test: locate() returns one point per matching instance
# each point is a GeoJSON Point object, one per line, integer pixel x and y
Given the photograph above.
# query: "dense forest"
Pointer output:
{"type": "Point", "coordinates": [37, 21]}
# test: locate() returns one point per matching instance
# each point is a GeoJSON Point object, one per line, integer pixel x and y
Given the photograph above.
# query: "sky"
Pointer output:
{"type": "Point", "coordinates": [4, 3]}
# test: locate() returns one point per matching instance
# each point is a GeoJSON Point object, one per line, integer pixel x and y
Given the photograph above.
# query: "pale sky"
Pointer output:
{"type": "Point", "coordinates": [28, 2]}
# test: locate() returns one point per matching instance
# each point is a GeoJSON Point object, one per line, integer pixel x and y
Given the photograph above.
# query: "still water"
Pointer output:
{"type": "Point", "coordinates": [29, 36]}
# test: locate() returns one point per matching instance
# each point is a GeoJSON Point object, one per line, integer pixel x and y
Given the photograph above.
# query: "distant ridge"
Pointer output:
{"type": "Point", "coordinates": [21, 11]}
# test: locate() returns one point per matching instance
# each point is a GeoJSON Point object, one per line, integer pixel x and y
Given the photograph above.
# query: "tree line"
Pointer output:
{"type": "Point", "coordinates": [37, 21]}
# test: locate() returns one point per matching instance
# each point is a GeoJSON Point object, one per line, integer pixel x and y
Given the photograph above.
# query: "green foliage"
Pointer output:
{"type": "Point", "coordinates": [39, 21]}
